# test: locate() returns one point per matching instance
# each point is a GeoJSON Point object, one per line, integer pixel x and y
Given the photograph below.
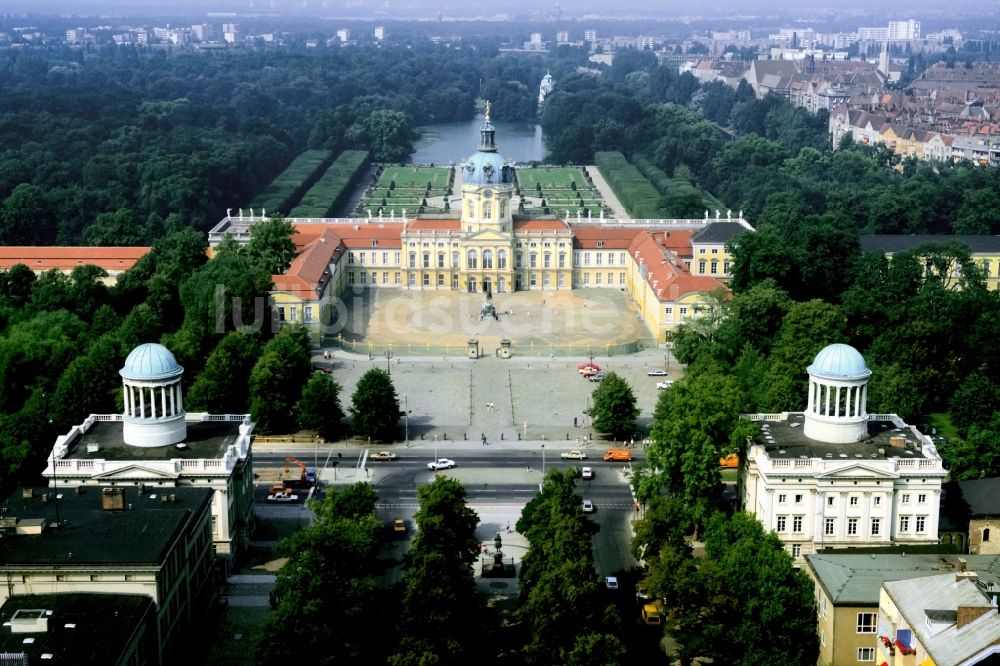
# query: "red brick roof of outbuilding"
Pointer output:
{"type": "Point", "coordinates": [66, 258]}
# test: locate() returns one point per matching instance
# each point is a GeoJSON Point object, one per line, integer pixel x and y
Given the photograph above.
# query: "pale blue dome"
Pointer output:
{"type": "Point", "coordinates": [486, 168]}
{"type": "Point", "coordinates": [150, 362]}
{"type": "Point", "coordinates": [839, 361]}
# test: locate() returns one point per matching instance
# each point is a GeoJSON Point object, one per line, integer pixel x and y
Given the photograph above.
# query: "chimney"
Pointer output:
{"type": "Point", "coordinates": [970, 576]}
{"type": "Point", "coordinates": [112, 499]}
{"type": "Point", "coordinates": [897, 442]}
{"type": "Point", "coordinates": [967, 614]}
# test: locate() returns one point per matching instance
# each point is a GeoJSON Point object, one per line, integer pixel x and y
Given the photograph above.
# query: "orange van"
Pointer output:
{"type": "Point", "coordinates": [618, 455]}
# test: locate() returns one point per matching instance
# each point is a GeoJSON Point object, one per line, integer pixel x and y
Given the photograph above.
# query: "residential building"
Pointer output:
{"type": "Point", "coordinates": [41, 259]}
{"type": "Point", "coordinates": [155, 444]}
{"type": "Point", "coordinates": [902, 31]}
{"type": "Point", "coordinates": [945, 620]}
{"type": "Point", "coordinates": [972, 508]}
{"type": "Point", "coordinates": [771, 76]}
{"type": "Point", "coordinates": [835, 476]}
{"type": "Point", "coordinates": [379, 33]}
{"type": "Point", "coordinates": [847, 594]}
{"type": "Point", "coordinates": [115, 540]}
{"type": "Point", "coordinates": [344, 35]}
{"type": "Point", "coordinates": [79, 628]}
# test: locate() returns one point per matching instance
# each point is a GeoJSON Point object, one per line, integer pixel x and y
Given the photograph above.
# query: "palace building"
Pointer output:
{"type": "Point", "coordinates": [667, 266]}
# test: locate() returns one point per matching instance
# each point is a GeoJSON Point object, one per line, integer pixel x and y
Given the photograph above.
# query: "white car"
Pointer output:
{"type": "Point", "coordinates": [440, 463]}
{"type": "Point", "coordinates": [663, 385]}
{"type": "Point", "coordinates": [657, 373]}
{"type": "Point", "coordinates": [383, 455]}
{"type": "Point", "coordinates": [588, 506]}
{"type": "Point", "coordinates": [611, 582]}
{"type": "Point", "coordinates": [586, 474]}
{"type": "Point", "coordinates": [573, 455]}
{"type": "Point", "coordinates": [282, 497]}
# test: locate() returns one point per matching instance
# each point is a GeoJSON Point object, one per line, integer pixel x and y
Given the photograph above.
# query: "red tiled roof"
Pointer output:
{"type": "Point", "coordinates": [43, 258]}
{"type": "Point", "coordinates": [666, 272]}
{"type": "Point", "coordinates": [444, 225]}
{"type": "Point", "coordinates": [356, 235]}
{"type": "Point", "coordinates": [585, 237]}
{"type": "Point", "coordinates": [305, 276]}
{"type": "Point", "coordinates": [540, 225]}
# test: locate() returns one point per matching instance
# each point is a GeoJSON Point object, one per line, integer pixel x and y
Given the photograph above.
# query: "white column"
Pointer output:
{"type": "Point", "coordinates": [180, 399]}
{"type": "Point", "coordinates": [173, 399]}
{"type": "Point", "coordinates": [826, 387]}
{"type": "Point", "coordinates": [127, 399]}
{"type": "Point", "coordinates": [142, 403]}
{"type": "Point", "coordinates": [812, 388]}
{"type": "Point", "coordinates": [163, 399]}
{"type": "Point", "coordinates": [836, 403]}
{"type": "Point", "coordinates": [152, 401]}
{"type": "Point", "coordinates": [864, 399]}
{"type": "Point", "coordinates": [848, 392]}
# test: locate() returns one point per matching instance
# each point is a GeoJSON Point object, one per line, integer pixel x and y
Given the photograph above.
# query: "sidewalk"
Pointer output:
{"type": "Point", "coordinates": [610, 198]}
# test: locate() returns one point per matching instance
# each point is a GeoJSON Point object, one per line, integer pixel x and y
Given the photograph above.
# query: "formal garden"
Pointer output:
{"type": "Point", "coordinates": [415, 189]}
{"type": "Point", "coordinates": [561, 191]}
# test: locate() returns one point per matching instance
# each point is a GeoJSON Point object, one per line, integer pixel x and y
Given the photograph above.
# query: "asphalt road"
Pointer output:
{"type": "Point", "coordinates": [499, 482]}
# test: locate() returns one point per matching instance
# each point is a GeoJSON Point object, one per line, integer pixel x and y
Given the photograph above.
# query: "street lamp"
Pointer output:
{"type": "Point", "coordinates": [388, 368]}
{"type": "Point", "coordinates": [406, 419]}
{"type": "Point", "coordinates": [543, 461]}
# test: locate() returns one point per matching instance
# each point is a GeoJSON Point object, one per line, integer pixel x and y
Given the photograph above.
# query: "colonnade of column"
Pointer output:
{"type": "Point", "coordinates": [838, 401]}
{"type": "Point", "coordinates": [153, 402]}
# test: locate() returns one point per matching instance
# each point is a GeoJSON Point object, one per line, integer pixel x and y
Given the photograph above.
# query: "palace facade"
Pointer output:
{"type": "Point", "coordinates": [666, 266]}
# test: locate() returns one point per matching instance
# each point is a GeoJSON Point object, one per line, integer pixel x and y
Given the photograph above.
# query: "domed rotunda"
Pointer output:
{"type": "Point", "coordinates": [838, 396]}
{"type": "Point", "coordinates": [154, 406]}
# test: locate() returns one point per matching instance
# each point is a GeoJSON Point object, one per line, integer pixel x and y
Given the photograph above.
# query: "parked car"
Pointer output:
{"type": "Point", "coordinates": [588, 506]}
{"type": "Point", "coordinates": [657, 373]}
{"type": "Point", "coordinates": [399, 527]}
{"type": "Point", "coordinates": [596, 377]}
{"type": "Point", "coordinates": [573, 455]}
{"type": "Point", "coordinates": [611, 582]}
{"type": "Point", "coordinates": [322, 368]}
{"type": "Point", "coordinates": [730, 461]}
{"type": "Point", "coordinates": [587, 474]}
{"type": "Point", "coordinates": [663, 385]}
{"type": "Point", "coordinates": [383, 455]}
{"type": "Point", "coordinates": [282, 497]}
{"type": "Point", "coordinates": [588, 368]}
{"type": "Point", "coordinates": [440, 463]}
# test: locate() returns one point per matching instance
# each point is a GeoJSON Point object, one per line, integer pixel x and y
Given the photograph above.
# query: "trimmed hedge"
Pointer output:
{"type": "Point", "coordinates": [675, 189]}
{"type": "Point", "coordinates": [633, 190]}
{"type": "Point", "coordinates": [287, 189]}
{"type": "Point", "coordinates": [335, 187]}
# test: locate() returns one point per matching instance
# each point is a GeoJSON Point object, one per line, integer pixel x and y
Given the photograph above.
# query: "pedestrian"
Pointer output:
{"type": "Point", "coordinates": [484, 439]}
{"type": "Point", "coordinates": [508, 528]}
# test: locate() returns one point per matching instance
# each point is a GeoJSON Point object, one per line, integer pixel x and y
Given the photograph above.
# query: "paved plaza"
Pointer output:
{"type": "Point", "coordinates": [537, 322]}
{"type": "Point", "coordinates": [533, 398]}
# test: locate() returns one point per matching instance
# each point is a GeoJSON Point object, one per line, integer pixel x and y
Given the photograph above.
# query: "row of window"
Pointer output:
{"type": "Point", "coordinates": [372, 258]}
{"type": "Point", "coordinates": [830, 525]}
{"type": "Point", "coordinates": [291, 312]}
{"type": "Point", "coordinates": [854, 500]}
{"type": "Point", "coordinates": [702, 265]}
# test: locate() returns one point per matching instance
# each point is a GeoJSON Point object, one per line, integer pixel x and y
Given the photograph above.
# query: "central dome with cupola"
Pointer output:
{"type": "Point", "coordinates": [838, 396]}
{"type": "Point", "coordinates": [487, 184]}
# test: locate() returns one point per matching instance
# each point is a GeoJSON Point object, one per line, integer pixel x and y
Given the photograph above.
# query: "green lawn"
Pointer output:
{"type": "Point", "coordinates": [550, 177]}
{"type": "Point", "coordinates": [942, 421]}
{"type": "Point", "coordinates": [417, 177]}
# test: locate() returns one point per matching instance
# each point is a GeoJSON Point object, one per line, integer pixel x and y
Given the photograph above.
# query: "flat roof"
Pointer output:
{"type": "Point", "coordinates": [205, 439]}
{"type": "Point", "coordinates": [81, 628]}
{"type": "Point", "coordinates": [851, 579]}
{"type": "Point", "coordinates": [141, 534]}
{"type": "Point", "coordinates": [787, 440]}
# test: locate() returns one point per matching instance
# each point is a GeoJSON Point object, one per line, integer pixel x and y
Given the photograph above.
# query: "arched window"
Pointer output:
{"type": "Point", "coordinates": [502, 259]}
{"type": "Point", "coordinates": [472, 260]}
{"type": "Point", "coordinates": [487, 259]}
{"type": "Point", "coordinates": [986, 535]}
{"type": "Point", "coordinates": [503, 211]}
{"type": "Point", "coordinates": [487, 210]}
{"type": "Point", "coordinates": [469, 208]}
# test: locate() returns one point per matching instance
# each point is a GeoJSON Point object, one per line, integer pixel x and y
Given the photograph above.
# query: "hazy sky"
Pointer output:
{"type": "Point", "coordinates": [571, 8]}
